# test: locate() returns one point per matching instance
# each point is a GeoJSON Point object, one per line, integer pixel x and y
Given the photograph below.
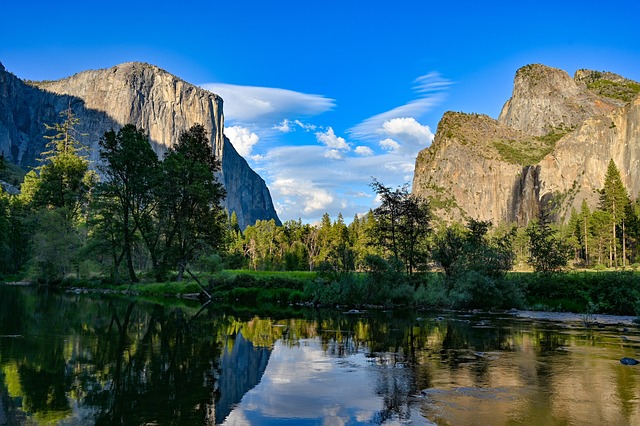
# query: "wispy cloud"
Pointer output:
{"type": "Point", "coordinates": [431, 91]}
{"type": "Point", "coordinates": [305, 181]}
{"type": "Point", "coordinates": [267, 105]}
{"type": "Point", "coordinates": [288, 126]}
{"type": "Point", "coordinates": [313, 169]}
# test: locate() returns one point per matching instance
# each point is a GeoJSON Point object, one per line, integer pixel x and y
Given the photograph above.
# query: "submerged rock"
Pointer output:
{"type": "Point", "coordinates": [629, 361]}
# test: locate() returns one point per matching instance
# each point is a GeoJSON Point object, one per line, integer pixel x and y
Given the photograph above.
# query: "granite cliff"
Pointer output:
{"type": "Point", "coordinates": [137, 93]}
{"type": "Point", "coordinates": [551, 144]}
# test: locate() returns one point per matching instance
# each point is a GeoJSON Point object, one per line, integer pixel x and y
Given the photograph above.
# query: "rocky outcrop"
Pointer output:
{"type": "Point", "coordinates": [547, 99]}
{"type": "Point", "coordinates": [137, 93]}
{"type": "Point", "coordinates": [463, 173]}
{"type": "Point", "coordinates": [577, 166]}
{"type": "Point", "coordinates": [551, 145]}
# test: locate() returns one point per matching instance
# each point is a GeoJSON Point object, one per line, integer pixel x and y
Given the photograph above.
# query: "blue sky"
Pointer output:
{"type": "Point", "coordinates": [322, 96]}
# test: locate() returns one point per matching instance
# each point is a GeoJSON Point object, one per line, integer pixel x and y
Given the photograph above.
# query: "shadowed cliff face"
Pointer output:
{"type": "Point", "coordinates": [550, 145]}
{"type": "Point", "coordinates": [130, 93]}
{"type": "Point", "coordinates": [525, 200]}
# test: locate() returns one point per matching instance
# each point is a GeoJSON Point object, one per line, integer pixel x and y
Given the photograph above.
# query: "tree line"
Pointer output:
{"type": "Point", "coordinates": [146, 217]}
{"type": "Point", "coordinates": [403, 231]}
{"type": "Point", "coordinates": [142, 216]}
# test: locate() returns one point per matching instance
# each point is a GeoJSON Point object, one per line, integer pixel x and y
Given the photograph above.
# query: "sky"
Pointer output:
{"type": "Point", "coordinates": [322, 97]}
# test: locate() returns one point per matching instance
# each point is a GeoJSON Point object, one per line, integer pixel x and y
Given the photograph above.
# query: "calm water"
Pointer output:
{"type": "Point", "coordinates": [80, 359]}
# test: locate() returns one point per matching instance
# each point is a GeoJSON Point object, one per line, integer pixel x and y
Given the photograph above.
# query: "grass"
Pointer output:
{"type": "Point", "coordinates": [611, 292]}
{"type": "Point", "coordinates": [299, 275]}
{"type": "Point", "coordinates": [530, 151]}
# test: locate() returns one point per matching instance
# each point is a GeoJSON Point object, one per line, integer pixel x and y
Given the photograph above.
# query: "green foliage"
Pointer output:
{"type": "Point", "coordinates": [124, 202]}
{"type": "Point", "coordinates": [11, 173]}
{"type": "Point", "coordinates": [547, 251]}
{"type": "Point", "coordinates": [615, 293]}
{"type": "Point", "coordinates": [189, 218]}
{"type": "Point", "coordinates": [209, 263]}
{"type": "Point", "coordinates": [403, 225]}
{"type": "Point", "coordinates": [55, 246]}
{"type": "Point", "coordinates": [475, 265]}
{"type": "Point", "coordinates": [530, 151]}
{"type": "Point", "coordinates": [625, 91]}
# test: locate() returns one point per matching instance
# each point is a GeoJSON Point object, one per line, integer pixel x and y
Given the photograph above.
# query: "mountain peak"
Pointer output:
{"type": "Point", "coordinates": [130, 93]}
{"type": "Point", "coordinates": [550, 146]}
{"type": "Point", "coordinates": [546, 100]}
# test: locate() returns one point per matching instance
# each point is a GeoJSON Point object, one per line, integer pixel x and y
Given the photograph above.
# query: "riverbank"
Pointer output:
{"type": "Point", "coordinates": [570, 317]}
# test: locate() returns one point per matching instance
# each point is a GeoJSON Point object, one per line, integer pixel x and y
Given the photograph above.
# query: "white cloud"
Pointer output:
{"type": "Point", "coordinates": [389, 145]}
{"type": "Point", "coordinates": [307, 170]}
{"type": "Point", "coordinates": [242, 139]}
{"type": "Point", "coordinates": [287, 126]}
{"type": "Point", "coordinates": [284, 126]}
{"type": "Point", "coordinates": [330, 139]}
{"type": "Point", "coordinates": [244, 104]}
{"type": "Point", "coordinates": [333, 154]}
{"type": "Point", "coordinates": [407, 126]}
{"type": "Point", "coordinates": [431, 89]}
{"type": "Point", "coordinates": [305, 193]}
{"type": "Point", "coordinates": [364, 151]}
{"type": "Point", "coordinates": [305, 126]}
{"type": "Point", "coordinates": [412, 135]}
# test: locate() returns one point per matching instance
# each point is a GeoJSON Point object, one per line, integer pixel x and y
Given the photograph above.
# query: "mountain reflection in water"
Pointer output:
{"type": "Point", "coordinates": [89, 359]}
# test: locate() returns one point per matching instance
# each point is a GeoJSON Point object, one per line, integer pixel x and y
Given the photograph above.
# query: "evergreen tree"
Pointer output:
{"type": "Point", "coordinates": [584, 231]}
{"type": "Point", "coordinates": [64, 179]}
{"type": "Point", "coordinates": [547, 252]}
{"type": "Point", "coordinates": [57, 195]}
{"type": "Point", "coordinates": [189, 197]}
{"type": "Point", "coordinates": [614, 200]}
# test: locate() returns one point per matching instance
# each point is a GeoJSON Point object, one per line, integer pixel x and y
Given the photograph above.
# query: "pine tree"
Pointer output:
{"type": "Point", "coordinates": [614, 200]}
{"type": "Point", "coordinates": [189, 197]}
{"type": "Point", "coordinates": [63, 180]}
{"type": "Point", "coordinates": [583, 224]}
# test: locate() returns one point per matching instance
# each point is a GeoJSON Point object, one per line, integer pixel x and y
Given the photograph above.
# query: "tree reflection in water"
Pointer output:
{"type": "Point", "coordinates": [100, 360]}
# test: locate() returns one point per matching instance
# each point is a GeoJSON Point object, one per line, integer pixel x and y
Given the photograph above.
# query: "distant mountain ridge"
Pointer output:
{"type": "Point", "coordinates": [551, 143]}
{"type": "Point", "coordinates": [137, 93]}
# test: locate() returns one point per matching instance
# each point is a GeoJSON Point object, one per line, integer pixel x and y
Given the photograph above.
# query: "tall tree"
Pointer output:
{"type": "Point", "coordinates": [189, 199]}
{"type": "Point", "coordinates": [584, 232]}
{"type": "Point", "coordinates": [403, 223]}
{"type": "Point", "coordinates": [130, 170]}
{"type": "Point", "coordinates": [547, 251]}
{"type": "Point", "coordinates": [64, 179]}
{"type": "Point", "coordinates": [614, 200]}
{"type": "Point", "coordinates": [57, 195]}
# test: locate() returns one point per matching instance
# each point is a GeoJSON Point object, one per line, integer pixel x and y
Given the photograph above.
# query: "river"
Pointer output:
{"type": "Point", "coordinates": [78, 359]}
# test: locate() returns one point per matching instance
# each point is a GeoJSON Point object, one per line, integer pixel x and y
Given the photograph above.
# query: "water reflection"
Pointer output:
{"type": "Point", "coordinates": [80, 359]}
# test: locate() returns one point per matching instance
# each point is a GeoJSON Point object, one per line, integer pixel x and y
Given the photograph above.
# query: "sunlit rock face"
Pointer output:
{"type": "Point", "coordinates": [550, 145]}
{"type": "Point", "coordinates": [546, 98]}
{"type": "Point", "coordinates": [137, 93]}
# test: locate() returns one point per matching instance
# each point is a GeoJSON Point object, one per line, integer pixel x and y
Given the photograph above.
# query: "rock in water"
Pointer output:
{"type": "Point", "coordinates": [629, 361]}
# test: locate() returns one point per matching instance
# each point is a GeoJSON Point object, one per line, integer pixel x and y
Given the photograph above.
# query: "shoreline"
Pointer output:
{"type": "Point", "coordinates": [559, 317]}
{"type": "Point", "coordinates": [566, 317]}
